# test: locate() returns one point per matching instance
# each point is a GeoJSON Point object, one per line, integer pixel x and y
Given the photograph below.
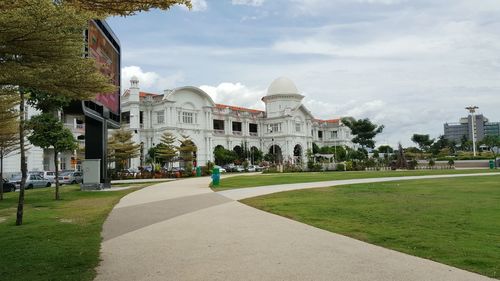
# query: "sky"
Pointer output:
{"type": "Point", "coordinates": [410, 65]}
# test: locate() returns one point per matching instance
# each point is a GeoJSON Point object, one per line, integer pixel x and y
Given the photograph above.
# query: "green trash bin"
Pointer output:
{"type": "Point", "coordinates": [492, 164]}
{"type": "Point", "coordinates": [215, 177]}
{"type": "Point", "coordinates": [198, 171]}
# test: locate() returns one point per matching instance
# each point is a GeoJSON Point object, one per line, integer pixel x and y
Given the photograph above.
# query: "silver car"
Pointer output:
{"type": "Point", "coordinates": [70, 177]}
{"type": "Point", "coordinates": [32, 181]}
{"type": "Point", "coordinates": [49, 175]}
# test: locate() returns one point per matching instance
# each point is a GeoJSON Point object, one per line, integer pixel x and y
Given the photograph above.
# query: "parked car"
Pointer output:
{"type": "Point", "coordinates": [221, 170]}
{"type": "Point", "coordinates": [8, 186]}
{"type": "Point", "coordinates": [49, 175]}
{"type": "Point", "coordinates": [32, 181]}
{"type": "Point", "coordinates": [251, 168]}
{"type": "Point", "coordinates": [177, 169]}
{"type": "Point", "coordinates": [72, 177]}
{"type": "Point", "coordinates": [230, 168]}
{"type": "Point", "coordinates": [239, 169]}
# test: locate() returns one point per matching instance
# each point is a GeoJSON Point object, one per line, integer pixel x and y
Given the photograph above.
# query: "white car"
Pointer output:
{"type": "Point", "coordinates": [71, 177]}
{"type": "Point", "coordinates": [49, 175]}
{"type": "Point", "coordinates": [254, 168]}
{"type": "Point", "coordinates": [32, 181]}
{"type": "Point", "coordinates": [221, 170]}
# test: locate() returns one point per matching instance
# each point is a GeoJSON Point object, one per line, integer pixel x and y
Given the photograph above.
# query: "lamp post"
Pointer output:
{"type": "Point", "coordinates": [472, 111]}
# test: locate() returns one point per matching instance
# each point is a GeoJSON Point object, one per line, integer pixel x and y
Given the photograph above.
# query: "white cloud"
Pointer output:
{"type": "Point", "coordinates": [235, 94]}
{"type": "Point", "coordinates": [150, 81]}
{"type": "Point", "coordinates": [254, 3]}
{"type": "Point", "coordinates": [410, 65]}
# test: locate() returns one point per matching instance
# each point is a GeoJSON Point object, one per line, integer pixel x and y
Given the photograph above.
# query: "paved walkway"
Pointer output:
{"type": "Point", "coordinates": [183, 231]}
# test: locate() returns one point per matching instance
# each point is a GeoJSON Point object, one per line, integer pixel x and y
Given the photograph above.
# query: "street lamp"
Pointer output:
{"type": "Point", "coordinates": [472, 111]}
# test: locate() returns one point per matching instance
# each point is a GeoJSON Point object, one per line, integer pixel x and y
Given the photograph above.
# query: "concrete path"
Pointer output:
{"type": "Point", "coordinates": [183, 231]}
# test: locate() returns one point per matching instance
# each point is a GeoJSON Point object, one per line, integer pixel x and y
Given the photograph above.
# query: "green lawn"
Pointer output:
{"type": "Point", "coordinates": [283, 178]}
{"type": "Point", "coordinates": [452, 221]}
{"type": "Point", "coordinates": [59, 240]}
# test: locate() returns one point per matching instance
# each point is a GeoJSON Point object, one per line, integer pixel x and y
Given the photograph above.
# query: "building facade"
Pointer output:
{"type": "Point", "coordinates": [39, 159]}
{"type": "Point", "coordinates": [285, 128]}
{"type": "Point", "coordinates": [483, 127]}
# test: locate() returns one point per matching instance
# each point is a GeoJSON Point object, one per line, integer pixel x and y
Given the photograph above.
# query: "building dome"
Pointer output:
{"type": "Point", "coordinates": [282, 85]}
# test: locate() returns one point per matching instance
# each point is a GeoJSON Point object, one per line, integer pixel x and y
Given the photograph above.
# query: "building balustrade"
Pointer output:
{"type": "Point", "coordinates": [219, 132]}
{"type": "Point", "coordinates": [77, 127]}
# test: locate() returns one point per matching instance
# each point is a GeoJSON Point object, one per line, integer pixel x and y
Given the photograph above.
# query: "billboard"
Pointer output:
{"type": "Point", "coordinates": [105, 50]}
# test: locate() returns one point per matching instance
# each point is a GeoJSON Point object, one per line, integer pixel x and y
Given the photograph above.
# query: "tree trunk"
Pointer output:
{"type": "Point", "coordinates": [56, 164]}
{"type": "Point", "coordinates": [1, 176]}
{"type": "Point", "coordinates": [24, 168]}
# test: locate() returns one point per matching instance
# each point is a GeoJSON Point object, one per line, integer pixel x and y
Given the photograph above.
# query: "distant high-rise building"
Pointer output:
{"type": "Point", "coordinates": [456, 131]}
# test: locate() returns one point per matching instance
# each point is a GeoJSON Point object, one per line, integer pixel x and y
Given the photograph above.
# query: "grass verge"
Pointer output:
{"type": "Point", "coordinates": [452, 221]}
{"type": "Point", "coordinates": [59, 240]}
{"type": "Point", "coordinates": [284, 178]}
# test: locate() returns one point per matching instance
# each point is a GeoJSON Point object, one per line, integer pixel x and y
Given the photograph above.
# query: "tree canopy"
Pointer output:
{"type": "Point", "coordinates": [423, 141]}
{"type": "Point", "coordinates": [224, 156]}
{"type": "Point", "coordinates": [47, 132]}
{"type": "Point", "coordinates": [167, 150]}
{"type": "Point", "coordinates": [121, 148]}
{"type": "Point", "coordinates": [42, 49]}
{"type": "Point", "coordinates": [123, 8]}
{"type": "Point", "coordinates": [364, 131]}
{"type": "Point", "coordinates": [385, 149]}
{"type": "Point", "coordinates": [493, 143]}
{"type": "Point", "coordinates": [9, 132]}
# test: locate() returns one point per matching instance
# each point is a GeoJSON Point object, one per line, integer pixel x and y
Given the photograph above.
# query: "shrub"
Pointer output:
{"type": "Point", "coordinates": [317, 167]}
{"type": "Point", "coordinates": [271, 169]}
{"type": "Point", "coordinates": [310, 165]}
{"type": "Point", "coordinates": [210, 167]}
{"type": "Point", "coordinates": [348, 166]}
{"type": "Point", "coordinates": [340, 167]}
{"type": "Point", "coordinates": [291, 168]}
{"type": "Point", "coordinates": [188, 169]}
{"type": "Point", "coordinates": [412, 164]}
{"type": "Point", "coordinates": [205, 171]}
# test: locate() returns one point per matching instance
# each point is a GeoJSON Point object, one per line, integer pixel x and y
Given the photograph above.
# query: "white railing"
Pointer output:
{"type": "Point", "coordinates": [73, 127]}
{"type": "Point", "coordinates": [219, 132]}
{"type": "Point", "coordinates": [254, 134]}
{"type": "Point", "coordinates": [237, 133]}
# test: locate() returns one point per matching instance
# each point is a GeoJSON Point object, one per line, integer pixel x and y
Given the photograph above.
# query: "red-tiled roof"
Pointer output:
{"type": "Point", "coordinates": [237, 108]}
{"type": "Point", "coordinates": [143, 94]}
{"type": "Point", "coordinates": [217, 105]}
{"type": "Point", "coordinates": [328, 121]}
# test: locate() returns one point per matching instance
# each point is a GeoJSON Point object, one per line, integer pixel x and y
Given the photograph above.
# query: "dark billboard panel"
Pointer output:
{"type": "Point", "coordinates": [102, 49]}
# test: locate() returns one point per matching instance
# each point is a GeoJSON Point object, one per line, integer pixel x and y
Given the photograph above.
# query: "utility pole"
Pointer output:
{"type": "Point", "coordinates": [472, 111]}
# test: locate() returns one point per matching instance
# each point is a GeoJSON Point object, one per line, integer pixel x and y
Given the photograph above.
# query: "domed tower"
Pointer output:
{"type": "Point", "coordinates": [282, 97]}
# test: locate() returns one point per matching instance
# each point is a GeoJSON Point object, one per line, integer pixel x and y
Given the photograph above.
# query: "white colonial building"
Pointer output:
{"type": "Point", "coordinates": [286, 128]}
